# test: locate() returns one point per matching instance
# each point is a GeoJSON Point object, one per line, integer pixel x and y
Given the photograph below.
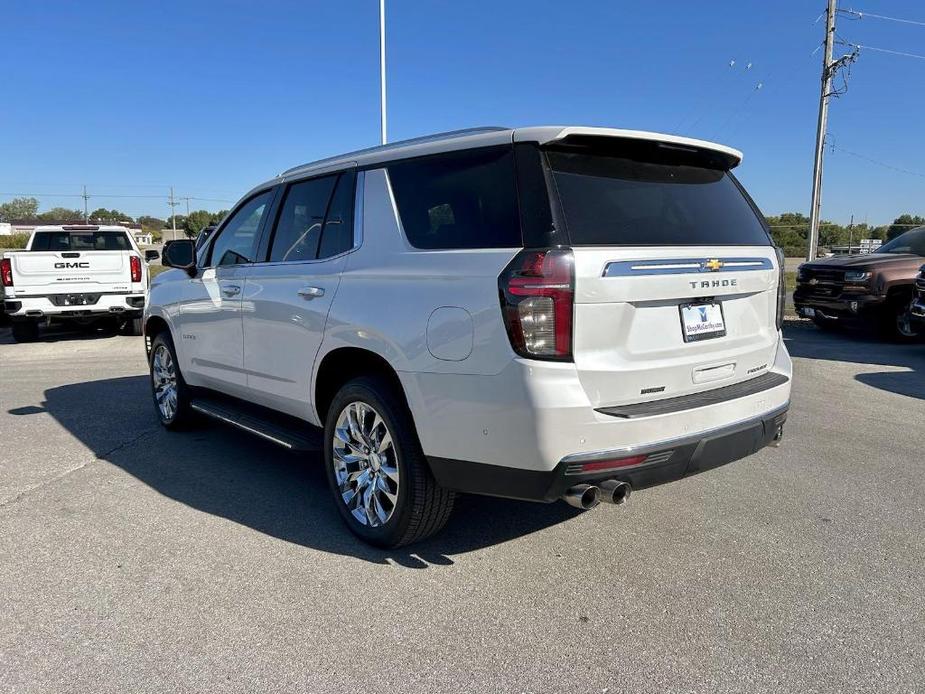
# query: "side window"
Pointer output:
{"type": "Point", "coordinates": [237, 241]}
{"type": "Point", "coordinates": [337, 236]}
{"type": "Point", "coordinates": [465, 199]}
{"type": "Point", "coordinates": [298, 230]}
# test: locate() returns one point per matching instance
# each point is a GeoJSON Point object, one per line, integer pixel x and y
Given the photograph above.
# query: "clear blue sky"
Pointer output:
{"type": "Point", "coordinates": [213, 98]}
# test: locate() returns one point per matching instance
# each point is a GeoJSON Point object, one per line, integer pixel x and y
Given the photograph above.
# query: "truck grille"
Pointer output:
{"type": "Point", "coordinates": [822, 283]}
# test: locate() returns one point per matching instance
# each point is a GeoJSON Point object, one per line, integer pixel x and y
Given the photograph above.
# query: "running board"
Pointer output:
{"type": "Point", "coordinates": [277, 428]}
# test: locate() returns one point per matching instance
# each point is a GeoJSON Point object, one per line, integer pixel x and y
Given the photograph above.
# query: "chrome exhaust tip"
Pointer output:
{"type": "Point", "coordinates": [583, 496]}
{"type": "Point", "coordinates": [615, 492]}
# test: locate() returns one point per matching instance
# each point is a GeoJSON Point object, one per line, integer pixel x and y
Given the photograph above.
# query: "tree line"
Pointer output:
{"type": "Point", "coordinates": [790, 231]}
{"type": "Point", "coordinates": [26, 210]}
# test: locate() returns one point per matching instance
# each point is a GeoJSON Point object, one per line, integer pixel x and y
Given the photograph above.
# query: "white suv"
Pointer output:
{"type": "Point", "coordinates": [540, 313]}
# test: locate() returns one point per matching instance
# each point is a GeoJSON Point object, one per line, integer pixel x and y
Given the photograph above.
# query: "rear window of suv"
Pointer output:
{"type": "Point", "coordinates": [651, 197]}
{"type": "Point", "coordinates": [464, 199]}
{"type": "Point", "coordinates": [80, 241]}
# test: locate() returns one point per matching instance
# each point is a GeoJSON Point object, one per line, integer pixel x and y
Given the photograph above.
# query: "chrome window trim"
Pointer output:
{"type": "Point", "coordinates": [682, 266]}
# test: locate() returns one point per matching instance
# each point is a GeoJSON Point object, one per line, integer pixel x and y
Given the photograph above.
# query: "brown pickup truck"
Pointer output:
{"type": "Point", "coordinates": [875, 289]}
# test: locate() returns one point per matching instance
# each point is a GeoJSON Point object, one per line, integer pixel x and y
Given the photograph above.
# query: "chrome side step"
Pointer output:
{"type": "Point", "coordinates": [284, 431]}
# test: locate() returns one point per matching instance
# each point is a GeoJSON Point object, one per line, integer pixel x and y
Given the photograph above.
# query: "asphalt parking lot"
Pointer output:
{"type": "Point", "coordinates": [133, 560]}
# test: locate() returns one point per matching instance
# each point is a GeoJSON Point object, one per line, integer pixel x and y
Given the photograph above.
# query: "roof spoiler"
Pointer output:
{"type": "Point", "coordinates": [729, 156]}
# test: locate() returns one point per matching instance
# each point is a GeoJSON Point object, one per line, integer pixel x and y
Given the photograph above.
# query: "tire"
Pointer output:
{"type": "Point", "coordinates": [25, 331]}
{"type": "Point", "coordinates": [896, 323]}
{"type": "Point", "coordinates": [173, 411]}
{"type": "Point", "coordinates": [398, 475]}
{"type": "Point", "coordinates": [133, 327]}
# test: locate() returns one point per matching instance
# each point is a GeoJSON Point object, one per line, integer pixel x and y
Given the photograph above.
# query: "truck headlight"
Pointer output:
{"type": "Point", "coordinates": [857, 277]}
{"type": "Point", "coordinates": [801, 274]}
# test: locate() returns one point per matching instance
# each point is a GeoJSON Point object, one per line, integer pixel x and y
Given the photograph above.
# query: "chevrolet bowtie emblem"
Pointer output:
{"type": "Point", "coordinates": [713, 264]}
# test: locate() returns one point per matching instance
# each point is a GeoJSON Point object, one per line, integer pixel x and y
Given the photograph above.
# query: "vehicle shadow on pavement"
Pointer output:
{"type": "Point", "coordinates": [804, 340]}
{"type": "Point", "coordinates": [61, 334]}
{"type": "Point", "coordinates": [221, 471]}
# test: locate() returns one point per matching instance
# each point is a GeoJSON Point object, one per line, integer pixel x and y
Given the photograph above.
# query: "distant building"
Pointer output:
{"type": "Point", "coordinates": [143, 238]}
{"type": "Point", "coordinates": [6, 229]}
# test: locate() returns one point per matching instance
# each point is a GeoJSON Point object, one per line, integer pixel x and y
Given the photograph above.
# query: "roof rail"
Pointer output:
{"type": "Point", "coordinates": [400, 143]}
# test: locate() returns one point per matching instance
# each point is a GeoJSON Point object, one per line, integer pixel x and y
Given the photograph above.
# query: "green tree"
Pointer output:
{"type": "Point", "coordinates": [149, 223]}
{"type": "Point", "coordinates": [196, 222]}
{"type": "Point", "coordinates": [903, 223]}
{"type": "Point", "coordinates": [112, 216]}
{"type": "Point", "coordinates": [17, 209]}
{"type": "Point", "coordinates": [61, 214]}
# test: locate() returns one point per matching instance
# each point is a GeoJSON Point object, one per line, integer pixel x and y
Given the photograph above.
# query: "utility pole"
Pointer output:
{"type": "Point", "coordinates": [850, 234]}
{"type": "Point", "coordinates": [382, 118]}
{"type": "Point", "coordinates": [173, 213]}
{"type": "Point", "coordinates": [827, 71]}
{"type": "Point", "coordinates": [86, 198]}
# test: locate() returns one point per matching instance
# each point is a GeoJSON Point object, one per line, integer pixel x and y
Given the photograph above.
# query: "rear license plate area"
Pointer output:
{"type": "Point", "coordinates": [702, 321]}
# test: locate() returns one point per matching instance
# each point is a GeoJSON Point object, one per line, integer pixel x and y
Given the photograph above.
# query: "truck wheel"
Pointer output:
{"type": "Point", "coordinates": [25, 331]}
{"type": "Point", "coordinates": [381, 482]}
{"type": "Point", "coordinates": [896, 321]}
{"type": "Point", "coordinates": [133, 326]}
{"type": "Point", "coordinates": [169, 390]}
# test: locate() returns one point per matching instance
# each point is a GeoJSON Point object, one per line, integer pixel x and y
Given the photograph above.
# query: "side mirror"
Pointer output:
{"type": "Point", "coordinates": [151, 255]}
{"type": "Point", "coordinates": [180, 254]}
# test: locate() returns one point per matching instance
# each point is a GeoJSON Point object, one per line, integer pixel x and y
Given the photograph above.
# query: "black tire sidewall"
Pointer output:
{"type": "Point", "coordinates": [394, 412]}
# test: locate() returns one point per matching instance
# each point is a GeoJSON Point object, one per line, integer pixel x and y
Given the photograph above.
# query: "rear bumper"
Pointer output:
{"type": "Point", "coordinates": [666, 461]}
{"type": "Point", "coordinates": [41, 307]}
{"type": "Point", "coordinates": [534, 415]}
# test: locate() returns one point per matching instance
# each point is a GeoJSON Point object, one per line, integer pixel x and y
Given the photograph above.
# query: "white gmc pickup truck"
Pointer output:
{"type": "Point", "coordinates": [87, 274]}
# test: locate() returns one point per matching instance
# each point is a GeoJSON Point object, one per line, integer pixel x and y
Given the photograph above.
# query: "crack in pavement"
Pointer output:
{"type": "Point", "coordinates": [99, 456]}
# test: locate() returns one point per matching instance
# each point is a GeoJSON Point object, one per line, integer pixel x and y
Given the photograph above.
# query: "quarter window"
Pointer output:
{"type": "Point", "coordinates": [461, 199]}
{"type": "Point", "coordinates": [237, 241]}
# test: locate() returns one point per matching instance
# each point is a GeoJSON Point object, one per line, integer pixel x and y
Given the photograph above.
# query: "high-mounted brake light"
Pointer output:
{"type": "Point", "coordinates": [537, 299]}
{"type": "Point", "coordinates": [6, 272]}
{"type": "Point", "coordinates": [135, 265]}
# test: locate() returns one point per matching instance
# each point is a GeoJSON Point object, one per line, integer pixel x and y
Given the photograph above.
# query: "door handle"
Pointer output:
{"type": "Point", "coordinates": [231, 290]}
{"type": "Point", "coordinates": [311, 292]}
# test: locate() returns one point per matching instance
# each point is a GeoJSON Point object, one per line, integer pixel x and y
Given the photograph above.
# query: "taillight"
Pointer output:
{"type": "Point", "coordinates": [537, 297]}
{"type": "Point", "coordinates": [781, 288]}
{"type": "Point", "coordinates": [6, 272]}
{"type": "Point", "coordinates": [135, 265]}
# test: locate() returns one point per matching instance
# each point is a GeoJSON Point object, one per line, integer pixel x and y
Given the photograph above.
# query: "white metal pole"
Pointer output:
{"type": "Point", "coordinates": [382, 117]}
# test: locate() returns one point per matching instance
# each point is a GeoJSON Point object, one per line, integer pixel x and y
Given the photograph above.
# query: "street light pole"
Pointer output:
{"type": "Point", "coordinates": [382, 117]}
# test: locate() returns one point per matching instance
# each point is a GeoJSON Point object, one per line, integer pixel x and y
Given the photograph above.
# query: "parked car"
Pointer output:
{"type": "Point", "coordinates": [541, 313]}
{"type": "Point", "coordinates": [917, 309]}
{"type": "Point", "coordinates": [873, 289]}
{"type": "Point", "coordinates": [82, 274]}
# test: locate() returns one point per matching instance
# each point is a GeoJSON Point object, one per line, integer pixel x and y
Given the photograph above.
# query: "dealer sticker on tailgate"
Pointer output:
{"type": "Point", "coordinates": [702, 321]}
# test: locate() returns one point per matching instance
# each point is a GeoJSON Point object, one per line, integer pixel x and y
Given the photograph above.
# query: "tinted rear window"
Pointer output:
{"type": "Point", "coordinates": [662, 201]}
{"type": "Point", "coordinates": [80, 241]}
{"type": "Point", "coordinates": [461, 199]}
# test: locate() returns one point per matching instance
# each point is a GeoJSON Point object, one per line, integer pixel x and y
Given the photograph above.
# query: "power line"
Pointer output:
{"type": "Point", "coordinates": [877, 162]}
{"type": "Point", "coordinates": [108, 195]}
{"type": "Point", "coordinates": [861, 15]}
{"type": "Point", "coordinates": [888, 50]}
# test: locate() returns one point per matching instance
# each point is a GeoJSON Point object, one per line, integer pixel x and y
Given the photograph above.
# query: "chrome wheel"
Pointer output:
{"type": "Point", "coordinates": [164, 378]}
{"type": "Point", "coordinates": [365, 464]}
